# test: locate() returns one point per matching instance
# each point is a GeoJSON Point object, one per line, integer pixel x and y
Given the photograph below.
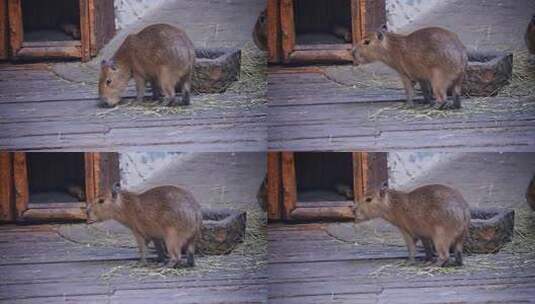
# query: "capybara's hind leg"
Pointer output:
{"type": "Point", "coordinates": [190, 253]}
{"type": "Point", "coordinates": [429, 250]}
{"type": "Point", "coordinates": [167, 86]}
{"type": "Point", "coordinates": [409, 90]}
{"type": "Point", "coordinates": [159, 244]}
{"type": "Point", "coordinates": [458, 251]}
{"type": "Point", "coordinates": [411, 245]}
{"type": "Point", "coordinates": [140, 87]}
{"type": "Point", "coordinates": [174, 246]}
{"type": "Point", "coordinates": [427, 91]}
{"type": "Point", "coordinates": [457, 90]}
{"type": "Point", "coordinates": [440, 90]}
{"type": "Point", "coordinates": [442, 247]}
{"type": "Point", "coordinates": [156, 92]}
{"type": "Point", "coordinates": [186, 90]}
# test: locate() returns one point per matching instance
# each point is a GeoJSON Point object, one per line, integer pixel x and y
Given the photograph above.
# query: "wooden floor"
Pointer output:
{"type": "Point", "coordinates": [307, 265]}
{"type": "Point", "coordinates": [308, 111]}
{"type": "Point", "coordinates": [39, 111]}
{"type": "Point", "coordinates": [39, 266]}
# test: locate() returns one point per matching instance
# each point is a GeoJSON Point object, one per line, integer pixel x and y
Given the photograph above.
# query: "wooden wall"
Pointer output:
{"type": "Point", "coordinates": [4, 37]}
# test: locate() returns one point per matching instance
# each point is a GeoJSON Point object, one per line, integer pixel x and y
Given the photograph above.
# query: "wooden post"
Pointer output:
{"type": "Point", "coordinates": [273, 31]}
{"type": "Point", "coordinates": [288, 184]}
{"type": "Point", "coordinates": [4, 37]}
{"type": "Point", "coordinates": [356, 24]}
{"type": "Point", "coordinates": [16, 29]}
{"type": "Point", "coordinates": [6, 188]}
{"type": "Point", "coordinates": [274, 186]}
{"type": "Point", "coordinates": [22, 188]}
{"type": "Point", "coordinates": [85, 30]}
{"type": "Point", "coordinates": [287, 28]}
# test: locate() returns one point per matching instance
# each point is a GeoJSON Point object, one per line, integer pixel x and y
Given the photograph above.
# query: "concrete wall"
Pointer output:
{"type": "Point", "coordinates": [128, 11]}
{"type": "Point", "coordinates": [136, 167]}
{"type": "Point", "coordinates": [403, 12]}
{"type": "Point", "coordinates": [405, 167]}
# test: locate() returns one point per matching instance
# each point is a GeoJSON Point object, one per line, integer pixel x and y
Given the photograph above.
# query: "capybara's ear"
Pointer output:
{"type": "Point", "coordinates": [383, 189]}
{"type": "Point", "coordinates": [383, 28]}
{"type": "Point", "coordinates": [103, 62]}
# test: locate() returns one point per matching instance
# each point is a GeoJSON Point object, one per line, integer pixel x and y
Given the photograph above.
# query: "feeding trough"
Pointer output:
{"type": "Point", "coordinates": [215, 69]}
{"type": "Point", "coordinates": [490, 229]}
{"type": "Point", "coordinates": [222, 230]}
{"type": "Point", "coordinates": [487, 72]}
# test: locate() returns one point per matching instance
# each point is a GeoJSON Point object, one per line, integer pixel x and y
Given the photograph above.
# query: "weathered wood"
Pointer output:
{"type": "Point", "coordinates": [7, 197]}
{"type": "Point", "coordinates": [33, 52]}
{"type": "Point", "coordinates": [4, 31]}
{"type": "Point", "coordinates": [312, 214]}
{"type": "Point", "coordinates": [85, 29]}
{"type": "Point", "coordinates": [287, 28]}
{"type": "Point", "coordinates": [20, 177]}
{"type": "Point", "coordinates": [16, 31]}
{"type": "Point", "coordinates": [53, 215]}
{"type": "Point", "coordinates": [289, 185]}
{"type": "Point", "coordinates": [274, 183]}
{"type": "Point", "coordinates": [321, 56]}
{"type": "Point", "coordinates": [356, 33]}
{"type": "Point", "coordinates": [102, 24]}
{"type": "Point", "coordinates": [273, 31]}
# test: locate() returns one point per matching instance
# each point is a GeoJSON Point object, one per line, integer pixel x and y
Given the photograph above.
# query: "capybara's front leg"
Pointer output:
{"type": "Point", "coordinates": [142, 245]}
{"type": "Point", "coordinates": [140, 87]}
{"type": "Point", "coordinates": [186, 90]}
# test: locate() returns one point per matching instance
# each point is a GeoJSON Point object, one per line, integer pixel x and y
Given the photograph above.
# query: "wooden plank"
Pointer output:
{"type": "Point", "coordinates": [311, 47]}
{"type": "Point", "coordinates": [287, 28]}
{"type": "Point", "coordinates": [7, 200]}
{"type": "Point", "coordinates": [35, 52]}
{"type": "Point", "coordinates": [91, 176]}
{"type": "Point", "coordinates": [274, 183]}
{"type": "Point", "coordinates": [16, 31]}
{"type": "Point", "coordinates": [22, 188]}
{"type": "Point", "coordinates": [102, 23]}
{"type": "Point", "coordinates": [313, 214]}
{"type": "Point", "coordinates": [289, 185]}
{"type": "Point", "coordinates": [4, 33]}
{"type": "Point", "coordinates": [273, 31]}
{"type": "Point", "coordinates": [62, 205]}
{"type": "Point", "coordinates": [107, 171]}
{"type": "Point", "coordinates": [316, 56]}
{"type": "Point", "coordinates": [325, 204]}
{"type": "Point", "coordinates": [39, 215]}
{"type": "Point", "coordinates": [44, 44]}
{"type": "Point", "coordinates": [357, 32]}
{"type": "Point", "coordinates": [375, 14]}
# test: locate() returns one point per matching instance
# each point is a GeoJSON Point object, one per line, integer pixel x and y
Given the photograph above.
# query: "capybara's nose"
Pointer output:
{"type": "Point", "coordinates": [104, 104]}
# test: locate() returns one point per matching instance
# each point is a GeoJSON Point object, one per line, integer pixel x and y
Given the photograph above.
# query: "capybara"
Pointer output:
{"type": "Point", "coordinates": [431, 55]}
{"type": "Point", "coordinates": [71, 29]}
{"type": "Point", "coordinates": [342, 32]}
{"type": "Point", "coordinates": [167, 215]}
{"type": "Point", "coordinates": [530, 36]}
{"type": "Point", "coordinates": [160, 54]}
{"type": "Point", "coordinates": [260, 31]}
{"type": "Point", "coordinates": [436, 214]}
{"type": "Point", "coordinates": [530, 193]}
{"type": "Point", "coordinates": [76, 191]}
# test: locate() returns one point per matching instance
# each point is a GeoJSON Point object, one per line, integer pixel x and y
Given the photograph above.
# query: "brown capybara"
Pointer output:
{"type": "Point", "coordinates": [160, 54]}
{"type": "Point", "coordinates": [431, 55]}
{"type": "Point", "coordinates": [530, 193]}
{"type": "Point", "coordinates": [342, 32]}
{"type": "Point", "coordinates": [530, 36]}
{"type": "Point", "coordinates": [167, 215]}
{"type": "Point", "coordinates": [260, 31]}
{"type": "Point", "coordinates": [77, 191]}
{"type": "Point", "coordinates": [436, 214]}
{"type": "Point", "coordinates": [71, 29]}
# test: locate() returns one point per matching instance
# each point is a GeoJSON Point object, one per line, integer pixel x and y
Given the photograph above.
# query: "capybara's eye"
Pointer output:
{"type": "Point", "coordinates": [366, 41]}
{"type": "Point", "coordinates": [108, 82]}
{"type": "Point", "coordinates": [368, 199]}
{"type": "Point", "coordinates": [101, 201]}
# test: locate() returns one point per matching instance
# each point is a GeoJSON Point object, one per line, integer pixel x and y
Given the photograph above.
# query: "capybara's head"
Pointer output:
{"type": "Point", "coordinates": [104, 206]}
{"type": "Point", "coordinates": [372, 47]}
{"type": "Point", "coordinates": [113, 81]}
{"type": "Point", "coordinates": [372, 206]}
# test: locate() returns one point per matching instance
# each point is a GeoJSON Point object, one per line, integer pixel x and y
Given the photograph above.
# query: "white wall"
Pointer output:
{"type": "Point", "coordinates": [128, 11]}
{"type": "Point", "coordinates": [403, 12]}
{"type": "Point", "coordinates": [405, 167]}
{"type": "Point", "coordinates": [137, 167]}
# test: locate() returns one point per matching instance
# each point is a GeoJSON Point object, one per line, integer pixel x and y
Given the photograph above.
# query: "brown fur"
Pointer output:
{"type": "Point", "coordinates": [71, 29]}
{"type": "Point", "coordinates": [260, 31]}
{"type": "Point", "coordinates": [530, 194]}
{"type": "Point", "coordinates": [432, 56]}
{"type": "Point", "coordinates": [436, 214]}
{"type": "Point", "coordinates": [530, 36]}
{"type": "Point", "coordinates": [160, 54]}
{"type": "Point", "coordinates": [165, 213]}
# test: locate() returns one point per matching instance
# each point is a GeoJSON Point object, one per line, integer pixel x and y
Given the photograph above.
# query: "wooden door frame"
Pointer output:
{"type": "Point", "coordinates": [53, 211]}
{"type": "Point", "coordinates": [291, 52]}
{"type": "Point", "coordinates": [64, 49]}
{"type": "Point", "coordinates": [282, 202]}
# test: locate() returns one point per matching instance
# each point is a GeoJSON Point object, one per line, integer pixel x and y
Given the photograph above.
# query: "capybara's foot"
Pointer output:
{"type": "Point", "coordinates": [190, 260]}
{"type": "Point", "coordinates": [410, 104]}
{"type": "Point", "coordinates": [447, 105]}
{"type": "Point", "coordinates": [172, 263]}
{"type": "Point", "coordinates": [169, 101]}
{"type": "Point", "coordinates": [441, 262]}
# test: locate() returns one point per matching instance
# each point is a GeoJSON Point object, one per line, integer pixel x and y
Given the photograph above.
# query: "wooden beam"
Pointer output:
{"type": "Point", "coordinates": [325, 56]}
{"type": "Point", "coordinates": [22, 189]}
{"type": "Point", "coordinates": [91, 178]}
{"type": "Point", "coordinates": [356, 25]}
{"type": "Point", "coordinates": [16, 29]}
{"type": "Point", "coordinates": [85, 30]}
{"type": "Point", "coordinates": [274, 186]}
{"type": "Point", "coordinates": [50, 52]}
{"type": "Point", "coordinates": [6, 187]}
{"type": "Point", "coordinates": [4, 36]}
{"type": "Point", "coordinates": [288, 184]}
{"type": "Point", "coordinates": [287, 28]}
{"type": "Point", "coordinates": [358, 178]}
{"type": "Point", "coordinates": [273, 31]}
{"type": "Point", "coordinates": [53, 214]}
{"type": "Point", "coordinates": [322, 214]}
